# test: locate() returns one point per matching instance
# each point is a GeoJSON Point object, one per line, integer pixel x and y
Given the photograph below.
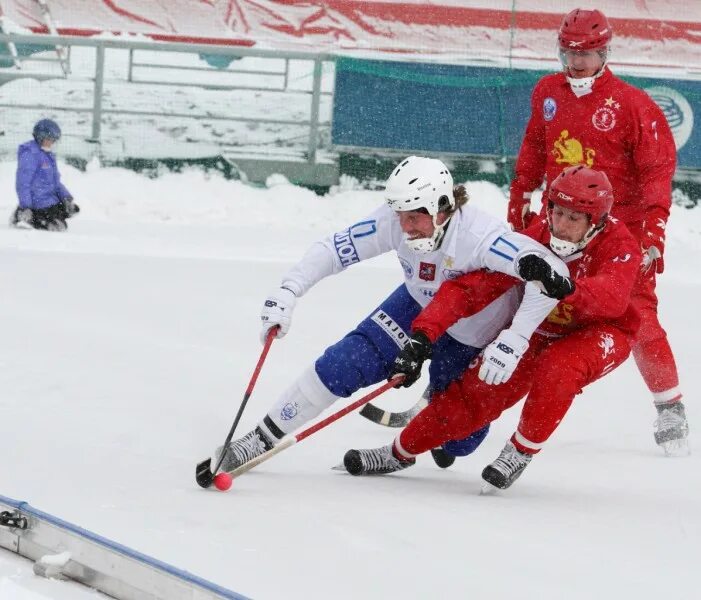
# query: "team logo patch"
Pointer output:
{"type": "Point", "coordinates": [570, 151]}
{"type": "Point", "coordinates": [391, 328]}
{"type": "Point", "coordinates": [427, 271]}
{"type": "Point", "coordinates": [451, 274]}
{"type": "Point", "coordinates": [289, 411]}
{"type": "Point", "coordinates": [408, 269]}
{"type": "Point", "coordinates": [677, 111]}
{"type": "Point", "coordinates": [549, 109]}
{"type": "Point", "coordinates": [561, 314]}
{"type": "Point", "coordinates": [604, 119]}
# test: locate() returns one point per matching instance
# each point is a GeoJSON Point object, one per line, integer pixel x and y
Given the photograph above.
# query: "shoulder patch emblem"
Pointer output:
{"type": "Point", "coordinates": [427, 271]}
{"type": "Point", "coordinates": [549, 108]}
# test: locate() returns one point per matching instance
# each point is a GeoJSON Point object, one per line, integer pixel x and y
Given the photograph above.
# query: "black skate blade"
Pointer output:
{"type": "Point", "coordinates": [203, 474]}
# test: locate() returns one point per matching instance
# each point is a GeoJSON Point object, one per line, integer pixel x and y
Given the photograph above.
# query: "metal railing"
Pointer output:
{"type": "Point", "coordinates": [145, 59]}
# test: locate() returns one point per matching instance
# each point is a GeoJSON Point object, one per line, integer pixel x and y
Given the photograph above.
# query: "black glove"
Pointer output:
{"type": "Point", "coordinates": [70, 207]}
{"type": "Point", "coordinates": [410, 360]}
{"type": "Point", "coordinates": [534, 268]}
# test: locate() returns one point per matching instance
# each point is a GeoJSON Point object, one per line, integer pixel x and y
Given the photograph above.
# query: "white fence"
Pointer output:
{"type": "Point", "coordinates": [143, 99]}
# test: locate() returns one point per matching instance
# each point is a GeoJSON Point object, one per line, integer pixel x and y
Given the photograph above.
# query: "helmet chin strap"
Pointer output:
{"type": "Point", "coordinates": [581, 86]}
{"type": "Point", "coordinates": [428, 244]}
{"type": "Point", "coordinates": [565, 248]}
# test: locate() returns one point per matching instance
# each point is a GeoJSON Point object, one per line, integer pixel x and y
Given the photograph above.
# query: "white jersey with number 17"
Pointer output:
{"type": "Point", "coordinates": [473, 240]}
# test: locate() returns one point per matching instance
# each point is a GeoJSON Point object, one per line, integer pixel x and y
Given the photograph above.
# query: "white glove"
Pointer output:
{"type": "Point", "coordinates": [650, 258]}
{"type": "Point", "coordinates": [500, 358]}
{"type": "Point", "coordinates": [277, 310]}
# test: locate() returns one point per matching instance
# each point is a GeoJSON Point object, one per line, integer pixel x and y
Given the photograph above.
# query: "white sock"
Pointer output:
{"type": "Point", "coordinates": [300, 403]}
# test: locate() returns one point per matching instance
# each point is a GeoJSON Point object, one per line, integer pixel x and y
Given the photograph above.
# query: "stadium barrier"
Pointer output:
{"type": "Point", "coordinates": [474, 117]}
{"type": "Point", "coordinates": [95, 561]}
{"type": "Point", "coordinates": [472, 110]}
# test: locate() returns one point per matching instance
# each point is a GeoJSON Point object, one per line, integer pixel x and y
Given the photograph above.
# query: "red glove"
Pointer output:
{"type": "Point", "coordinates": [519, 214]}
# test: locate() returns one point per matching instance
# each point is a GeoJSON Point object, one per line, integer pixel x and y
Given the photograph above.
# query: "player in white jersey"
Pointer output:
{"type": "Point", "coordinates": [436, 237]}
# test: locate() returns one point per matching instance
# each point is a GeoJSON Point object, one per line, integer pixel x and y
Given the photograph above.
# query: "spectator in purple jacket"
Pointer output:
{"type": "Point", "coordinates": [44, 202]}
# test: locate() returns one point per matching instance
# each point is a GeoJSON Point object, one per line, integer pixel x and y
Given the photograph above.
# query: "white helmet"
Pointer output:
{"type": "Point", "coordinates": [418, 182]}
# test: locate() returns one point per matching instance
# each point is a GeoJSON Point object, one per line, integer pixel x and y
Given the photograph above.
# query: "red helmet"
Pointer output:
{"type": "Point", "coordinates": [582, 189]}
{"type": "Point", "coordinates": [584, 30]}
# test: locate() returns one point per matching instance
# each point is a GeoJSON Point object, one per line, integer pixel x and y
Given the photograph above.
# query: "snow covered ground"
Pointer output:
{"type": "Point", "coordinates": [128, 341]}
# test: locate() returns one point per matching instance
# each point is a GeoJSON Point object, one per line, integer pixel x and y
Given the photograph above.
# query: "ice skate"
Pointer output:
{"type": "Point", "coordinates": [672, 429]}
{"type": "Point", "coordinates": [506, 469]}
{"type": "Point", "coordinates": [240, 451]}
{"type": "Point", "coordinates": [374, 461]}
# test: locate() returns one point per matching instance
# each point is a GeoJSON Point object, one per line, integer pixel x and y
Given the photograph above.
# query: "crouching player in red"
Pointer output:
{"type": "Point", "coordinates": [588, 334]}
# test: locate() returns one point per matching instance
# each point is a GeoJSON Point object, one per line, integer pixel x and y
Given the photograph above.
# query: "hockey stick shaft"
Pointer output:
{"type": "Point", "coordinates": [247, 394]}
{"type": "Point", "coordinates": [293, 439]}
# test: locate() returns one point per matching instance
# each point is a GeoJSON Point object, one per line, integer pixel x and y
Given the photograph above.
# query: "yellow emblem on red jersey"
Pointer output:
{"type": "Point", "coordinates": [561, 314]}
{"type": "Point", "coordinates": [569, 151]}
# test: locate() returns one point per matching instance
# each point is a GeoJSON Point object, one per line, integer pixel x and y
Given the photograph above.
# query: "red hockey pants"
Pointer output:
{"type": "Point", "coordinates": [551, 373]}
{"type": "Point", "coordinates": [651, 349]}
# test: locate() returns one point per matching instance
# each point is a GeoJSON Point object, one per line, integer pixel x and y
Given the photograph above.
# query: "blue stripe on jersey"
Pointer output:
{"type": "Point", "coordinates": [506, 256]}
{"type": "Point", "coordinates": [507, 242]}
{"type": "Point", "coordinates": [363, 229]}
{"type": "Point", "coordinates": [495, 243]}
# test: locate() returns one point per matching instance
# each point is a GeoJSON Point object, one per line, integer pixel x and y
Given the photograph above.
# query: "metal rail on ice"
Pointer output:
{"type": "Point", "coordinates": [97, 562]}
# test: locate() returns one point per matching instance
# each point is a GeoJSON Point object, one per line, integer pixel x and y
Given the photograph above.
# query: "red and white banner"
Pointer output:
{"type": "Point", "coordinates": [648, 32]}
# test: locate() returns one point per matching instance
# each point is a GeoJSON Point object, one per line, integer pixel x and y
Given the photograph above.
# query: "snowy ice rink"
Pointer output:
{"type": "Point", "coordinates": [127, 343]}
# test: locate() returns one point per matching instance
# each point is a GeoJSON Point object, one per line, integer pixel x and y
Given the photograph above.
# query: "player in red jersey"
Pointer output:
{"type": "Point", "coordinates": [586, 115]}
{"type": "Point", "coordinates": [587, 335]}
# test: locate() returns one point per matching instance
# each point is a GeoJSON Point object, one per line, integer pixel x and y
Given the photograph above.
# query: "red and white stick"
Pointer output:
{"type": "Point", "coordinates": [291, 440]}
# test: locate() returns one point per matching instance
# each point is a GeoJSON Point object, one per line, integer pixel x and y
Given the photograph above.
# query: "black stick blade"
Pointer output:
{"type": "Point", "coordinates": [203, 473]}
{"type": "Point", "coordinates": [386, 417]}
{"type": "Point", "coordinates": [373, 413]}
